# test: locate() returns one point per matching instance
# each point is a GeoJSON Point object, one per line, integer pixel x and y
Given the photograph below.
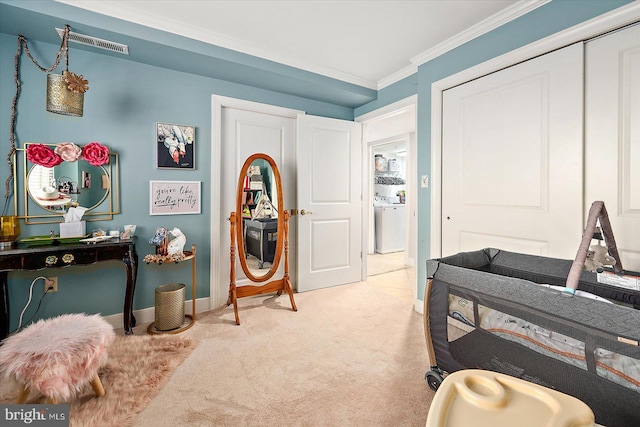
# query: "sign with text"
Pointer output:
{"type": "Point", "coordinates": [34, 415]}
{"type": "Point", "coordinates": [174, 197]}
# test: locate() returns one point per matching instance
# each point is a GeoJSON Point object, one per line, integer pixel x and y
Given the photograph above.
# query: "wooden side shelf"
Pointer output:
{"type": "Point", "coordinates": [189, 319]}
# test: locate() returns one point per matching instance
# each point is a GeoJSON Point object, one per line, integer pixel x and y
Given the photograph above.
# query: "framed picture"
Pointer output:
{"type": "Point", "coordinates": [86, 179]}
{"type": "Point", "coordinates": [174, 197]}
{"type": "Point", "coordinates": [175, 146]}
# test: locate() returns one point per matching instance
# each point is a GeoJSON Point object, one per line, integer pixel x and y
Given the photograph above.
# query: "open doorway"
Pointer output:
{"type": "Point", "coordinates": [388, 183]}
{"type": "Point", "coordinates": [387, 260]}
{"type": "Point", "coordinates": [391, 275]}
{"type": "Point", "coordinates": [389, 198]}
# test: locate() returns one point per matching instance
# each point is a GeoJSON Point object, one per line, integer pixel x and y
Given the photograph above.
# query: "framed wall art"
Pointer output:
{"type": "Point", "coordinates": [86, 179]}
{"type": "Point", "coordinates": [174, 197]}
{"type": "Point", "coordinates": [175, 146]}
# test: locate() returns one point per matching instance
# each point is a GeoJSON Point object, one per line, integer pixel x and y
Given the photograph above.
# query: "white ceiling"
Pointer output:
{"type": "Point", "coordinates": [371, 43]}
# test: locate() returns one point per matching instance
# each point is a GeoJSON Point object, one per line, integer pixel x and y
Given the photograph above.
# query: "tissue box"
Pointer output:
{"type": "Point", "coordinates": [73, 229]}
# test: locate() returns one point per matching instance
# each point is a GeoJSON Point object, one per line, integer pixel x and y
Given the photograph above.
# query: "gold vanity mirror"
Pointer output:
{"type": "Point", "coordinates": [68, 184]}
{"type": "Point", "coordinates": [49, 192]}
{"type": "Point", "coordinates": [259, 231]}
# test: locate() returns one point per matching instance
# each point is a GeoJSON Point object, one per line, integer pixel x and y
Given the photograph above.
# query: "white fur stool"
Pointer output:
{"type": "Point", "coordinates": [57, 356]}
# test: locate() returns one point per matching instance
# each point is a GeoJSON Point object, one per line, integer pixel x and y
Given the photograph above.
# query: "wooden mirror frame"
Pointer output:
{"type": "Point", "coordinates": [237, 235]}
{"type": "Point", "coordinates": [240, 237]}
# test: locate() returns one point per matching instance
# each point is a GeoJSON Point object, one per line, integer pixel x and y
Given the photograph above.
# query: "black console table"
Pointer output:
{"type": "Point", "coordinates": [24, 257]}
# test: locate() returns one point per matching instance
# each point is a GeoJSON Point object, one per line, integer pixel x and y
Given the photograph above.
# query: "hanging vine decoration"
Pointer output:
{"type": "Point", "coordinates": [64, 49]}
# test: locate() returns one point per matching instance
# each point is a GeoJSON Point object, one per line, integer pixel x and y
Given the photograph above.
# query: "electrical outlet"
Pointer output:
{"type": "Point", "coordinates": [51, 282]}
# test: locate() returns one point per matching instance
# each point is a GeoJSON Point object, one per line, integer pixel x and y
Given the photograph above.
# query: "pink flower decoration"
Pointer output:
{"type": "Point", "coordinates": [95, 153]}
{"type": "Point", "coordinates": [42, 155]}
{"type": "Point", "coordinates": [69, 151]}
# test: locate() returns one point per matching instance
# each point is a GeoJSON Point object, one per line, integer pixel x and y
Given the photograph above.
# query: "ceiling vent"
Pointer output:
{"type": "Point", "coordinates": [96, 42]}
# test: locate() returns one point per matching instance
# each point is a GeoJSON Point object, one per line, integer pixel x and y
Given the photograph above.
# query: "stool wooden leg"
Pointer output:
{"type": "Point", "coordinates": [24, 394]}
{"type": "Point", "coordinates": [97, 385]}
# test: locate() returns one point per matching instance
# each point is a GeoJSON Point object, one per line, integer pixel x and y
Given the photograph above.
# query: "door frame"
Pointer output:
{"type": "Point", "coordinates": [615, 19]}
{"type": "Point", "coordinates": [386, 113]}
{"type": "Point", "coordinates": [368, 195]}
{"type": "Point", "coordinates": [219, 285]}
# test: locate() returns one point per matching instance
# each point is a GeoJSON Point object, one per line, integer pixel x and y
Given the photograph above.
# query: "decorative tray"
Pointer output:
{"type": "Point", "coordinates": [49, 240]}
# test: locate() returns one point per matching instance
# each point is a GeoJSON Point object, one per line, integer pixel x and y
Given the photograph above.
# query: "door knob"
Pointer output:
{"type": "Point", "coordinates": [303, 212]}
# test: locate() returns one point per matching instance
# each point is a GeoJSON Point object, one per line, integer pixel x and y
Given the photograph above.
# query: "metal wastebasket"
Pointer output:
{"type": "Point", "coordinates": [169, 306]}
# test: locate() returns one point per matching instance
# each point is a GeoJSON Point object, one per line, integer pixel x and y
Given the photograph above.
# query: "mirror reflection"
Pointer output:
{"type": "Point", "coordinates": [259, 213]}
{"type": "Point", "coordinates": [259, 231]}
{"type": "Point", "coordinates": [68, 184]}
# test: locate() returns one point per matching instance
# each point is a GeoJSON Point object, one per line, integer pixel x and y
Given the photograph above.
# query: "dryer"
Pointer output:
{"type": "Point", "coordinates": [389, 225]}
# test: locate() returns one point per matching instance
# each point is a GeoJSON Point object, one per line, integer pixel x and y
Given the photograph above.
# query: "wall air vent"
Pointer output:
{"type": "Point", "coordinates": [96, 42]}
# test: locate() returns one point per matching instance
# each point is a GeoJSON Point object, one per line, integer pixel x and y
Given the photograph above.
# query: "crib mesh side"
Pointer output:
{"type": "Point", "coordinates": [592, 330]}
{"type": "Point", "coordinates": [439, 329]}
{"type": "Point", "coordinates": [554, 271]}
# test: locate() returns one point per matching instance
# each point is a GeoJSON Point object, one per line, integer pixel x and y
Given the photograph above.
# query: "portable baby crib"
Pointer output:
{"type": "Point", "coordinates": [487, 309]}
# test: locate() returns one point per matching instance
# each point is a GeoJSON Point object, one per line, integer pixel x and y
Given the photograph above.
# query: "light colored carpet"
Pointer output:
{"type": "Point", "coordinates": [350, 356]}
{"type": "Point", "coordinates": [138, 367]}
{"type": "Point", "coordinates": [384, 263]}
{"type": "Point", "coordinates": [398, 283]}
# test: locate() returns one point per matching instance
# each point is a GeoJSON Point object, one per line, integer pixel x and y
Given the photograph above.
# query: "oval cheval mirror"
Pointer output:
{"type": "Point", "coordinates": [259, 231]}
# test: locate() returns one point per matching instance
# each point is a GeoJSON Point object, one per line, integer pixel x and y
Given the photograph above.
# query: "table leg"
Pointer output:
{"type": "Point", "coordinates": [131, 263]}
{"type": "Point", "coordinates": [4, 302]}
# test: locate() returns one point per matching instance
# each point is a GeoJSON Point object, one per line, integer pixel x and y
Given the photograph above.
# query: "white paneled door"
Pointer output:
{"type": "Point", "coordinates": [329, 202]}
{"type": "Point", "coordinates": [612, 136]}
{"type": "Point", "coordinates": [245, 133]}
{"type": "Point", "coordinates": [512, 159]}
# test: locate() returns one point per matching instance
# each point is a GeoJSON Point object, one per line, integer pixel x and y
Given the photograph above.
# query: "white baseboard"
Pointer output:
{"type": "Point", "coordinates": [148, 315]}
{"type": "Point", "coordinates": [418, 306]}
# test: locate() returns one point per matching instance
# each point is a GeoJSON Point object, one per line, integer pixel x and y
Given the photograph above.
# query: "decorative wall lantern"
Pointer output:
{"type": "Point", "coordinates": [65, 92]}
{"type": "Point", "coordinates": [61, 99]}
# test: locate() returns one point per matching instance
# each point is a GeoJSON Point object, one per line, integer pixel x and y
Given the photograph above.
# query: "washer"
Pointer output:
{"type": "Point", "coordinates": [389, 225]}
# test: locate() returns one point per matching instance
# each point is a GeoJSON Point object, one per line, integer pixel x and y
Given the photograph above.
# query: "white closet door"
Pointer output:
{"type": "Point", "coordinates": [512, 159]}
{"type": "Point", "coordinates": [612, 136]}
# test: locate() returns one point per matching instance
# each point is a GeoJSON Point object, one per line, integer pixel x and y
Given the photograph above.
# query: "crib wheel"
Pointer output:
{"type": "Point", "coordinates": [434, 379]}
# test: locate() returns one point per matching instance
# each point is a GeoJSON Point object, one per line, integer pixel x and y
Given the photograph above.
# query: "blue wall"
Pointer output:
{"type": "Point", "coordinates": [124, 101]}
{"type": "Point", "coordinates": [127, 98]}
{"type": "Point", "coordinates": [540, 23]}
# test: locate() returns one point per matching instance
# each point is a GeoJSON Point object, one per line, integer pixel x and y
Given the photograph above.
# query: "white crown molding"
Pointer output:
{"type": "Point", "coordinates": [610, 21]}
{"type": "Point", "coordinates": [389, 110]}
{"type": "Point", "coordinates": [506, 15]}
{"type": "Point", "coordinates": [119, 10]}
{"type": "Point", "coordinates": [397, 76]}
